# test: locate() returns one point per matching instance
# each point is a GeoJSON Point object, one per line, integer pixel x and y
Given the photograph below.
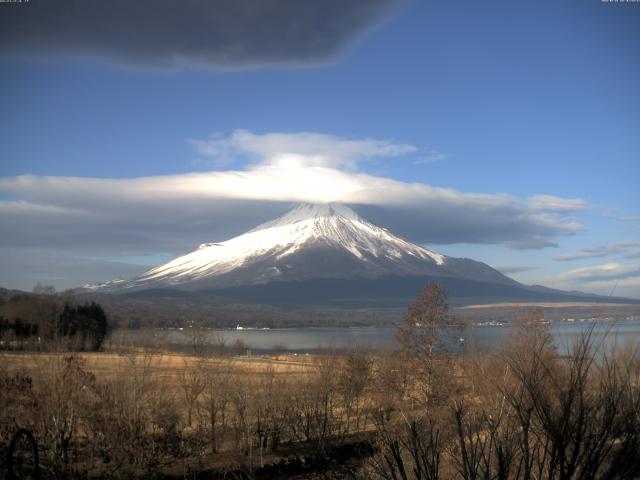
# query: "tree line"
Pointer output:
{"type": "Point", "coordinates": [45, 320]}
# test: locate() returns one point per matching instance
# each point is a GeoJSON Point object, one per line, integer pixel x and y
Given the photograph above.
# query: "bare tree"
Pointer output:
{"type": "Point", "coordinates": [216, 399]}
{"type": "Point", "coordinates": [197, 337]}
{"type": "Point", "coordinates": [426, 330]}
{"type": "Point", "coordinates": [192, 383]}
{"type": "Point", "coordinates": [354, 377]}
{"type": "Point", "coordinates": [61, 390]}
{"type": "Point", "coordinates": [411, 451]}
{"type": "Point", "coordinates": [578, 417]}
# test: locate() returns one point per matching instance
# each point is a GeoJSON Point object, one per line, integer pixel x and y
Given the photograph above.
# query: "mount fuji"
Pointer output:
{"type": "Point", "coordinates": [309, 242]}
{"type": "Point", "coordinates": [323, 255]}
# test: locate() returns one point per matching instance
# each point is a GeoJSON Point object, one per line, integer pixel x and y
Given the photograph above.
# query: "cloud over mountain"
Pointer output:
{"type": "Point", "coordinates": [168, 33]}
{"type": "Point", "coordinates": [172, 213]}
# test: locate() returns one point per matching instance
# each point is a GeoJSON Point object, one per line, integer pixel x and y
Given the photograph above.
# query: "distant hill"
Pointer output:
{"type": "Point", "coordinates": [7, 294]}
{"type": "Point", "coordinates": [375, 293]}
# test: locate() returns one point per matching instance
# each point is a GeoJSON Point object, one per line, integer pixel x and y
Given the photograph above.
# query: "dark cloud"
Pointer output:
{"type": "Point", "coordinates": [449, 220]}
{"type": "Point", "coordinates": [208, 33]}
{"type": "Point", "coordinates": [120, 228]}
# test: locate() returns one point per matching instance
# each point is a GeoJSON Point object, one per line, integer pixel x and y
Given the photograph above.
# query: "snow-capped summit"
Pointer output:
{"type": "Point", "coordinates": [307, 211]}
{"type": "Point", "coordinates": [308, 242]}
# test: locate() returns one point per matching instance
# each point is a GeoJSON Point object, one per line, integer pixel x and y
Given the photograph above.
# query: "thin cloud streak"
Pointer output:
{"type": "Point", "coordinates": [627, 249]}
{"type": "Point", "coordinates": [556, 204]}
{"type": "Point", "coordinates": [430, 157]}
{"type": "Point", "coordinates": [509, 270]}
{"type": "Point", "coordinates": [602, 272]}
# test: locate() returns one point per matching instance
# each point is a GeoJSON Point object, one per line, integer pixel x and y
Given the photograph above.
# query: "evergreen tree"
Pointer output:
{"type": "Point", "coordinates": [86, 323]}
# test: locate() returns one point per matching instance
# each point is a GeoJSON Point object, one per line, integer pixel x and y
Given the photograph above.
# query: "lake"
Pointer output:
{"type": "Point", "coordinates": [309, 340]}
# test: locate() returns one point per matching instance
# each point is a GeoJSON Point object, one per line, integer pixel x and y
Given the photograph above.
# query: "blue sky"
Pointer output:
{"type": "Point", "coordinates": [516, 98]}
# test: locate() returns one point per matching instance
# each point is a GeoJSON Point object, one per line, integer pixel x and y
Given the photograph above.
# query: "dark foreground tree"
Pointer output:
{"type": "Point", "coordinates": [87, 324]}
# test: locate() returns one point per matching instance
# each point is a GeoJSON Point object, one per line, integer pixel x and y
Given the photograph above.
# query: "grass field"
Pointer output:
{"type": "Point", "coordinates": [168, 368]}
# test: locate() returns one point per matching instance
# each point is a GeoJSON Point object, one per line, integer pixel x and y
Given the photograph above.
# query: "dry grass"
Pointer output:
{"type": "Point", "coordinates": [168, 366]}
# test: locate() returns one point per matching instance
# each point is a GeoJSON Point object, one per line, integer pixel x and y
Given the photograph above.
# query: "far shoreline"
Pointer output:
{"type": "Point", "coordinates": [548, 305]}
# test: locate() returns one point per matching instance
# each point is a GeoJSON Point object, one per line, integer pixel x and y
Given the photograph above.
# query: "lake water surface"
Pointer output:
{"type": "Point", "coordinates": [302, 340]}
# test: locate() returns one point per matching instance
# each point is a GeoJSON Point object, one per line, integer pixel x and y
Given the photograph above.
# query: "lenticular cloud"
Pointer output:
{"type": "Point", "coordinates": [173, 213]}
